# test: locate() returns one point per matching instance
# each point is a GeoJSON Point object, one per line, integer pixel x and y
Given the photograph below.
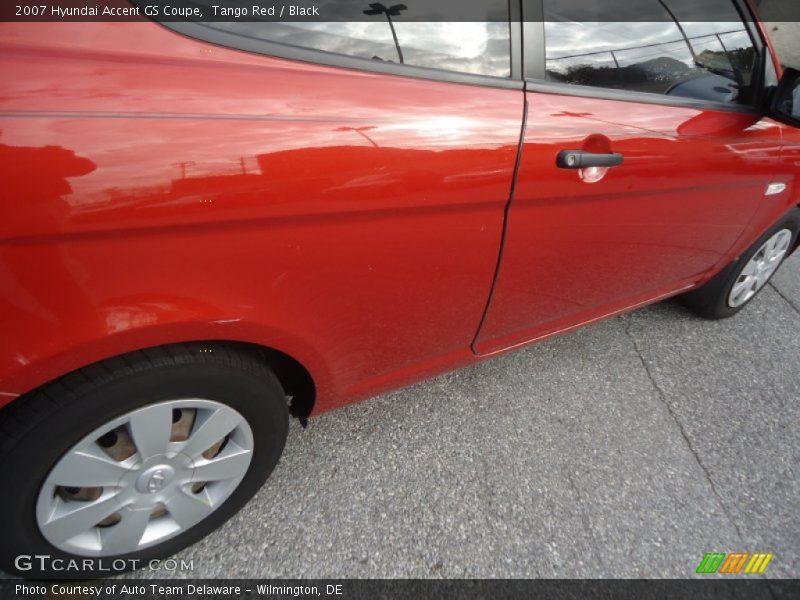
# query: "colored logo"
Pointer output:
{"type": "Point", "coordinates": [734, 563]}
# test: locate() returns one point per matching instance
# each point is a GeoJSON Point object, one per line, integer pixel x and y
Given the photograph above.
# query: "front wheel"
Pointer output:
{"type": "Point", "coordinates": [734, 288]}
{"type": "Point", "coordinates": [135, 458]}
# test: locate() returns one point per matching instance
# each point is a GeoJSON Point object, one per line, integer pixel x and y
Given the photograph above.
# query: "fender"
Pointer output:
{"type": "Point", "coordinates": [20, 373]}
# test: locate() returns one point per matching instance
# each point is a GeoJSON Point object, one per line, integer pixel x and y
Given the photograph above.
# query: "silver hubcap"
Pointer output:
{"type": "Point", "coordinates": [144, 477]}
{"type": "Point", "coordinates": [760, 268]}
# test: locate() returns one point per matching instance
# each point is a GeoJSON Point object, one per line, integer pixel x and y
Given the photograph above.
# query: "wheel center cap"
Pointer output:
{"type": "Point", "coordinates": [154, 479]}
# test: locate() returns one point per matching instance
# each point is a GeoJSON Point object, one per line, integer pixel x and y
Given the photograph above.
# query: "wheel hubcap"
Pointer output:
{"type": "Point", "coordinates": [760, 268]}
{"type": "Point", "coordinates": [144, 477]}
{"type": "Point", "coordinates": [154, 479]}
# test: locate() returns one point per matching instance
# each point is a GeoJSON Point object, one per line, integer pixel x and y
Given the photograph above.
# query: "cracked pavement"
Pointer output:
{"type": "Point", "coordinates": [626, 449]}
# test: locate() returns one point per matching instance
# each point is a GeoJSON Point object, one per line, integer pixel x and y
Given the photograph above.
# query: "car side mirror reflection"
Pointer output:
{"type": "Point", "coordinates": [785, 105]}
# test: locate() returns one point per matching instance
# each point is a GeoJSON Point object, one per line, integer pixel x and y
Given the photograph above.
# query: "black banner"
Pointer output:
{"type": "Point", "coordinates": [180, 589]}
{"type": "Point", "coordinates": [368, 11]}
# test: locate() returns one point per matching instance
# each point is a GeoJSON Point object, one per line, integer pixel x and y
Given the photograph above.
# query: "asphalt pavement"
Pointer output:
{"type": "Point", "coordinates": [626, 449]}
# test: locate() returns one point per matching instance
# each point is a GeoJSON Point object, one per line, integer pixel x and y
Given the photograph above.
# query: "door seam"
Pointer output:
{"type": "Point", "coordinates": [504, 231]}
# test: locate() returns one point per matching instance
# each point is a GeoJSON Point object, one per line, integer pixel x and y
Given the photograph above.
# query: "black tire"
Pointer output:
{"type": "Point", "coordinates": [711, 300]}
{"type": "Point", "coordinates": [37, 430]}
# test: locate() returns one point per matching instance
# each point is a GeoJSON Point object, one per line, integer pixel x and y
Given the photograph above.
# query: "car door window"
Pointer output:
{"type": "Point", "coordinates": [479, 48]}
{"type": "Point", "coordinates": [681, 48]}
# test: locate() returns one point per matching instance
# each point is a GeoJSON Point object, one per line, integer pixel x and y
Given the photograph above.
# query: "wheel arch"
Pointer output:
{"type": "Point", "coordinates": [295, 377]}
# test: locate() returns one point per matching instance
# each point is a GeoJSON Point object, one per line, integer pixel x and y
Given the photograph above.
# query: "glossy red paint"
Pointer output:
{"type": "Point", "coordinates": [199, 193]}
{"type": "Point", "coordinates": [575, 251]}
{"type": "Point", "coordinates": [157, 189]}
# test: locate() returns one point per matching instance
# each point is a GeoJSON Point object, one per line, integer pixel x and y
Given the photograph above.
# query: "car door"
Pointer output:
{"type": "Point", "coordinates": [643, 160]}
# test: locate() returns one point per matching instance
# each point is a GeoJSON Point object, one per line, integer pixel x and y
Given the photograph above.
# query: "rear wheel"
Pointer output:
{"type": "Point", "coordinates": [136, 458]}
{"type": "Point", "coordinates": [734, 288]}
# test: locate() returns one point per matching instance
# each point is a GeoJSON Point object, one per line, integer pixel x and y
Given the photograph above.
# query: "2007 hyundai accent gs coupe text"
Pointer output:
{"type": "Point", "coordinates": [208, 227]}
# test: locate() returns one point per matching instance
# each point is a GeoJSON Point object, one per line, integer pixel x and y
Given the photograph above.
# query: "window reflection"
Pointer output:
{"type": "Point", "coordinates": [479, 48]}
{"type": "Point", "coordinates": [412, 32]}
{"type": "Point", "coordinates": [705, 60]}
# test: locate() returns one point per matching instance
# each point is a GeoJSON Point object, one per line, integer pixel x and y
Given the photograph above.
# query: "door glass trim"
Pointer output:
{"type": "Point", "coordinates": [515, 38]}
{"type": "Point", "coordinates": [584, 91]}
{"type": "Point", "coordinates": [533, 40]}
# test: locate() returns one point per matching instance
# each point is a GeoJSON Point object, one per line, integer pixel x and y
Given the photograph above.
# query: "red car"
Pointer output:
{"type": "Point", "coordinates": [207, 227]}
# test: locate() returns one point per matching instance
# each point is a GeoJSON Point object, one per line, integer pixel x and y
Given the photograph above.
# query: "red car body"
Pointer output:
{"type": "Point", "coordinates": [370, 229]}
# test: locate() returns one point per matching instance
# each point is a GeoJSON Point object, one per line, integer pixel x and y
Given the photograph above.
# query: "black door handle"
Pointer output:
{"type": "Point", "coordinates": [578, 159]}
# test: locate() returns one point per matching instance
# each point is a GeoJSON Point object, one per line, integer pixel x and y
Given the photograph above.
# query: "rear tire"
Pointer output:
{"type": "Point", "coordinates": [164, 444]}
{"type": "Point", "coordinates": [737, 286]}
